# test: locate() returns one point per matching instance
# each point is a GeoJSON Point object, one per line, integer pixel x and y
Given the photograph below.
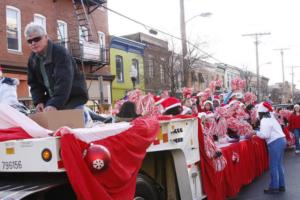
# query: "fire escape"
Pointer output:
{"type": "Point", "coordinates": [84, 44]}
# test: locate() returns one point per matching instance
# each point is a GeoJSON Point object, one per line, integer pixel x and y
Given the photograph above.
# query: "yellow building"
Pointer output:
{"type": "Point", "coordinates": [125, 54]}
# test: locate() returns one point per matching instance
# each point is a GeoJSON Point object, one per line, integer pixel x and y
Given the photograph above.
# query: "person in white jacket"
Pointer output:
{"type": "Point", "coordinates": [8, 93]}
{"type": "Point", "coordinates": [271, 131]}
{"type": "Point", "coordinates": [133, 75]}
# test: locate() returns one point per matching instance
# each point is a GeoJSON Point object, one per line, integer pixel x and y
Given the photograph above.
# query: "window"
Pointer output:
{"type": "Point", "coordinates": [162, 76]}
{"type": "Point", "coordinates": [135, 63]}
{"type": "Point", "coordinates": [101, 36]}
{"type": "Point", "coordinates": [41, 20]}
{"type": "Point", "coordinates": [201, 78]}
{"type": "Point", "coordinates": [193, 76]}
{"type": "Point", "coordinates": [162, 70]}
{"type": "Point", "coordinates": [62, 32]}
{"type": "Point", "coordinates": [119, 69]}
{"type": "Point", "coordinates": [83, 34]}
{"type": "Point", "coordinates": [13, 29]}
{"type": "Point", "coordinates": [150, 66]}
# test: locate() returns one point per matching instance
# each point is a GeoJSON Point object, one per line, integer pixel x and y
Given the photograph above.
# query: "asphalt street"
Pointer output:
{"type": "Point", "coordinates": [254, 191]}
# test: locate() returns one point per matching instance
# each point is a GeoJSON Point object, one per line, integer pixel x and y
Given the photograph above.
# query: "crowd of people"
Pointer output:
{"type": "Point", "coordinates": [56, 83]}
{"type": "Point", "coordinates": [226, 118]}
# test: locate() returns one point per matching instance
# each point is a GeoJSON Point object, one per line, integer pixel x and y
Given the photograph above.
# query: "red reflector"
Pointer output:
{"type": "Point", "coordinates": [60, 164]}
{"type": "Point", "coordinates": [156, 142]}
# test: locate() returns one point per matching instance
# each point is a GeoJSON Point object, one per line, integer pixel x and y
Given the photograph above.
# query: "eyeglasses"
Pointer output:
{"type": "Point", "coordinates": [35, 40]}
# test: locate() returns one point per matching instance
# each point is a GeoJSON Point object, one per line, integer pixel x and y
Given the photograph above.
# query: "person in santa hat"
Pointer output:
{"type": "Point", "coordinates": [271, 131]}
{"type": "Point", "coordinates": [171, 106]}
{"type": "Point", "coordinates": [8, 92]}
{"type": "Point", "coordinates": [216, 101]}
{"type": "Point", "coordinates": [294, 126]}
{"type": "Point", "coordinates": [208, 107]}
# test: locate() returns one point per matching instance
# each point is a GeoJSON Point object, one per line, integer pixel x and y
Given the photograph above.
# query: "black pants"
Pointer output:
{"type": "Point", "coordinates": [133, 79]}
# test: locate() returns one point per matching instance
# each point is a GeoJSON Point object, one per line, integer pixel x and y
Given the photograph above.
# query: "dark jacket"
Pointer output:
{"type": "Point", "coordinates": [66, 81]}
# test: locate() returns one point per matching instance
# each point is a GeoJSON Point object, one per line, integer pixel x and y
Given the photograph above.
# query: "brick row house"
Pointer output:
{"type": "Point", "coordinates": [81, 28]}
{"type": "Point", "coordinates": [156, 60]}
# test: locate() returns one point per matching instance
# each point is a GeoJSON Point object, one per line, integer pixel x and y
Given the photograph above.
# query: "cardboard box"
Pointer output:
{"type": "Point", "coordinates": [53, 120]}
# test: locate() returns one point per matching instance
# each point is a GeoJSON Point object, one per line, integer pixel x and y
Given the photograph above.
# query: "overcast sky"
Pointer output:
{"type": "Point", "coordinates": [223, 30]}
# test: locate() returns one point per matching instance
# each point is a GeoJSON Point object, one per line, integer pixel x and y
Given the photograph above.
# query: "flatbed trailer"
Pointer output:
{"type": "Point", "coordinates": [33, 169]}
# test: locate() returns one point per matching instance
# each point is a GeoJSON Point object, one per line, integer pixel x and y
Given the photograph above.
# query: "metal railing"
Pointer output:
{"type": "Point", "coordinates": [86, 51]}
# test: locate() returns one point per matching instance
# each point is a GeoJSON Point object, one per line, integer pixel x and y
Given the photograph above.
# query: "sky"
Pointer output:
{"type": "Point", "coordinates": [222, 31]}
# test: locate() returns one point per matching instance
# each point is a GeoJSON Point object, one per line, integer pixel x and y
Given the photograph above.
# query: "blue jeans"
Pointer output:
{"type": "Point", "coordinates": [296, 132]}
{"type": "Point", "coordinates": [276, 153]}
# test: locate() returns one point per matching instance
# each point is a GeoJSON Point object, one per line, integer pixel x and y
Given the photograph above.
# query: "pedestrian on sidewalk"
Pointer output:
{"type": "Point", "coordinates": [294, 126]}
{"type": "Point", "coordinates": [271, 131]}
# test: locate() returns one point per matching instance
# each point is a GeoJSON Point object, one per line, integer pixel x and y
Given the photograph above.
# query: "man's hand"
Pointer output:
{"type": "Point", "coordinates": [50, 108]}
{"type": "Point", "coordinates": [39, 107]}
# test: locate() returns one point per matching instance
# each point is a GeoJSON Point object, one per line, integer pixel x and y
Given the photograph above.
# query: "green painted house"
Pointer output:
{"type": "Point", "coordinates": [124, 55]}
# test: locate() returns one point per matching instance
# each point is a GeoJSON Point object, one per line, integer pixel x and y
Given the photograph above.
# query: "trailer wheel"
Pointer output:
{"type": "Point", "coordinates": [146, 188]}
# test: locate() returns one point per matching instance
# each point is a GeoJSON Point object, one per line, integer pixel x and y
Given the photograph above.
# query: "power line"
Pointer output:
{"type": "Point", "coordinates": [161, 31]}
{"type": "Point", "coordinates": [256, 42]}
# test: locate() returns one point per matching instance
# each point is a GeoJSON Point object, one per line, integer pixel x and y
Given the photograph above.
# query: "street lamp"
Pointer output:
{"type": "Point", "coordinates": [205, 14]}
{"type": "Point", "coordinates": [183, 40]}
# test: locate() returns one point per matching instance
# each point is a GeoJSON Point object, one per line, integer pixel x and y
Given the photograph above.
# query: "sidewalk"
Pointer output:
{"type": "Point", "coordinates": [254, 191]}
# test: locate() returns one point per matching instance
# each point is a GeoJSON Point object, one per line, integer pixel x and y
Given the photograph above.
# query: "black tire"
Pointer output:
{"type": "Point", "coordinates": [145, 188]}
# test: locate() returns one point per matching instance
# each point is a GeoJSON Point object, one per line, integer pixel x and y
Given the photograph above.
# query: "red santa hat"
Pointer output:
{"type": "Point", "coordinates": [170, 102]}
{"type": "Point", "coordinates": [157, 99]}
{"type": "Point", "coordinates": [264, 107]}
{"type": "Point", "coordinates": [217, 98]}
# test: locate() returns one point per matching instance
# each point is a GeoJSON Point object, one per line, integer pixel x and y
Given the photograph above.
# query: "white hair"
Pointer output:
{"type": "Point", "coordinates": [34, 28]}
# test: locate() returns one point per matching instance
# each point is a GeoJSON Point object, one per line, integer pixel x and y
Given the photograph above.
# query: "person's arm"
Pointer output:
{"type": "Point", "coordinates": [37, 90]}
{"type": "Point", "coordinates": [63, 79]}
{"type": "Point", "coordinates": [265, 129]}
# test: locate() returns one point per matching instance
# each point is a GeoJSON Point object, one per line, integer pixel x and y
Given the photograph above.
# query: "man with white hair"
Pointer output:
{"type": "Point", "coordinates": [55, 81]}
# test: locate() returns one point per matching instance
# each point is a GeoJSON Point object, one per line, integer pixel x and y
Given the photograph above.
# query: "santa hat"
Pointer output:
{"type": "Point", "coordinates": [217, 98]}
{"type": "Point", "coordinates": [296, 106]}
{"type": "Point", "coordinates": [157, 99]}
{"type": "Point", "coordinates": [264, 107]}
{"type": "Point", "coordinates": [210, 102]}
{"type": "Point", "coordinates": [170, 102]}
{"type": "Point", "coordinates": [237, 95]}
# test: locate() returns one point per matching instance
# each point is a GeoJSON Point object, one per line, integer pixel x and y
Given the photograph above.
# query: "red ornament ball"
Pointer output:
{"type": "Point", "coordinates": [97, 157]}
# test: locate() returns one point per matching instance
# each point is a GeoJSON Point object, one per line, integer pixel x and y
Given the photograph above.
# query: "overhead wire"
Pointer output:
{"type": "Point", "coordinates": [161, 31]}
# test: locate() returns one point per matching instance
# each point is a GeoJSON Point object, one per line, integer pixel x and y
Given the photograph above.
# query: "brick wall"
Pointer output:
{"type": "Point", "coordinates": [53, 10]}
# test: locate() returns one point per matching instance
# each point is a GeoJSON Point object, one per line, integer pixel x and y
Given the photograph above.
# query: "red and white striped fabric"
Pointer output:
{"type": "Point", "coordinates": [15, 125]}
{"type": "Point", "coordinates": [210, 150]}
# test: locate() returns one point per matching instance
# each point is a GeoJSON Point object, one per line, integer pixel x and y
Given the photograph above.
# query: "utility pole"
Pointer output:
{"type": "Point", "coordinates": [256, 42]}
{"type": "Point", "coordinates": [183, 44]}
{"type": "Point", "coordinates": [282, 68]}
{"type": "Point", "coordinates": [293, 92]}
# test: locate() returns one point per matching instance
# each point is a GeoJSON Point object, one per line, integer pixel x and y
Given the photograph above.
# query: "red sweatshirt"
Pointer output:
{"type": "Point", "coordinates": [294, 122]}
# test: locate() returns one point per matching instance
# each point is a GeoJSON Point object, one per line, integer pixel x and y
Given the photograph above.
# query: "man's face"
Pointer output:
{"type": "Point", "coordinates": [36, 42]}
